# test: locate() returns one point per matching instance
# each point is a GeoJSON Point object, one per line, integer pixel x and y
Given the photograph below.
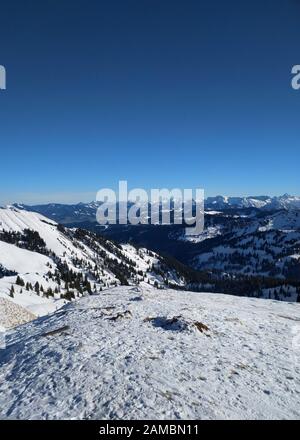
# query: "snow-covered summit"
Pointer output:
{"type": "Point", "coordinates": [142, 353]}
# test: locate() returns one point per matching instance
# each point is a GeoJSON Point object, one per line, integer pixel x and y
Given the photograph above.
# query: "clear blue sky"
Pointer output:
{"type": "Point", "coordinates": [163, 93]}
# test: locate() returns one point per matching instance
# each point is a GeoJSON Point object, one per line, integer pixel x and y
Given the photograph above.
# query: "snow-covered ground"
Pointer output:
{"type": "Point", "coordinates": [209, 232]}
{"type": "Point", "coordinates": [22, 260]}
{"type": "Point", "coordinates": [26, 305]}
{"type": "Point", "coordinates": [139, 352]}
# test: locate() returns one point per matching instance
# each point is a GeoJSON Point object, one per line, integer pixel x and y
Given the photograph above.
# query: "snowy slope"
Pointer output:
{"type": "Point", "coordinates": [22, 260]}
{"type": "Point", "coordinates": [65, 246]}
{"type": "Point", "coordinates": [29, 301]}
{"type": "Point", "coordinates": [56, 264]}
{"type": "Point", "coordinates": [283, 220]}
{"type": "Point", "coordinates": [32, 267]}
{"type": "Point", "coordinates": [267, 245]}
{"type": "Point", "coordinates": [13, 219]}
{"type": "Point", "coordinates": [137, 352]}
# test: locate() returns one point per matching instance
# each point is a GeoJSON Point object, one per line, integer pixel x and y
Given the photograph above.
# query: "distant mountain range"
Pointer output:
{"type": "Point", "coordinates": [82, 212]}
{"type": "Point", "coordinates": [261, 202]}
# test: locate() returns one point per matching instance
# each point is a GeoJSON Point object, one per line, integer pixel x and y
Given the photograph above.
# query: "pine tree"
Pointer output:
{"type": "Point", "coordinates": [88, 287]}
{"type": "Point", "coordinates": [20, 282]}
{"type": "Point", "coordinates": [49, 292]}
{"type": "Point", "coordinates": [11, 292]}
{"type": "Point", "coordinates": [37, 288]}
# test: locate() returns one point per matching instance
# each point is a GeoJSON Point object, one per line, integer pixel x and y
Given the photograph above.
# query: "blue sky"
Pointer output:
{"type": "Point", "coordinates": [160, 93]}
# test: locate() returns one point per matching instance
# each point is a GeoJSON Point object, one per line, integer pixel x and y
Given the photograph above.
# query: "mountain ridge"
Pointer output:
{"type": "Point", "coordinates": [44, 265]}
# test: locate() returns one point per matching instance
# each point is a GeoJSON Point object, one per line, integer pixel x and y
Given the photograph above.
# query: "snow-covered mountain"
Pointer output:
{"type": "Point", "coordinates": [260, 202]}
{"type": "Point", "coordinates": [86, 212]}
{"type": "Point", "coordinates": [267, 245]}
{"type": "Point", "coordinates": [242, 251]}
{"type": "Point", "coordinates": [142, 353]}
{"type": "Point", "coordinates": [43, 265]}
{"type": "Point", "coordinates": [64, 213]}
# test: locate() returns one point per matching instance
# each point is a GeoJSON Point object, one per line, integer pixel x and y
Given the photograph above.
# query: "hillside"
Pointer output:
{"type": "Point", "coordinates": [43, 265]}
{"type": "Point", "coordinates": [139, 352]}
{"type": "Point", "coordinates": [267, 245]}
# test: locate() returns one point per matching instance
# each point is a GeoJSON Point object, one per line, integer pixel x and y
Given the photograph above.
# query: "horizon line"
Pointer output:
{"type": "Point", "coordinates": [5, 203]}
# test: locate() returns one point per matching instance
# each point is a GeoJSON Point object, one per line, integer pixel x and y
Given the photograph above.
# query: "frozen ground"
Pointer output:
{"type": "Point", "coordinates": [138, 352]}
